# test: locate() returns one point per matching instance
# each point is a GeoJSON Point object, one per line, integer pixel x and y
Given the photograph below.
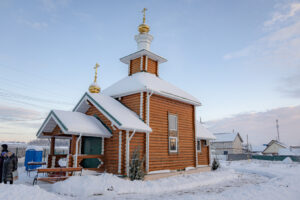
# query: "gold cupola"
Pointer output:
{"type": "Point", "coordinates": [94, 87]}
{"type": "Point", "coordinates": [144, 28]}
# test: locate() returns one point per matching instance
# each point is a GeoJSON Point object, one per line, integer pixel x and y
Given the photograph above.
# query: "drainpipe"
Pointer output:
{"type": "Point", "coordinates": [147, 152]}
{"type": "Point", "coordinates": [76, 155]}
{"type": "Point", "coordinates": [141, 104]}
{"type": "Point", "coordinates": [120, 152]}
{"type": "Point", "coordinates": [147, 134]}
{"type": "Point", "coordinates": [195, 122]}
{"type": "Point", "coordinates": [127, 153]}
{"type": "Point", "coordinates": [148, 107]}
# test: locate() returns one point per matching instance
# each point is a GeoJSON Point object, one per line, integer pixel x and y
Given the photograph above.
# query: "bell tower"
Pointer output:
{"type": "Point", "coordinates": [143, 60]}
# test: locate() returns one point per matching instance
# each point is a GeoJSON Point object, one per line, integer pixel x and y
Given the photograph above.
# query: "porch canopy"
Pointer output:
{"type": "Point", "coordinates": [203, 133]}
{"type": "Point", "coordinates": [72, 123]}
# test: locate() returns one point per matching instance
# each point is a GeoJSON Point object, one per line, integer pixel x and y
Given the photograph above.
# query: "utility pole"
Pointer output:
{"type": "Point", "coordinates": [277, 127]}
{"type": "Point", "coordinates": [247, 144]}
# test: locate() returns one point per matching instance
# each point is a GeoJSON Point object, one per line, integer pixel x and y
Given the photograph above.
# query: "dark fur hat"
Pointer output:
{"type": "Point", "coordinates": [4, 146]}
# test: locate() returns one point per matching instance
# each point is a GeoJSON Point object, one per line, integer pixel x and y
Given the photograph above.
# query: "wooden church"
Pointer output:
{"type": "Point", "coordinates": [141, 111]}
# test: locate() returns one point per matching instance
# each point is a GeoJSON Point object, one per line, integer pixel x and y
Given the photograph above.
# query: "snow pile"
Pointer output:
{"type": "Point", "coordinates": [108, 183]}
{"type": "Point", "coordinates": [23, 192]}
{"type": "Point", "coordinates": [287, 160]}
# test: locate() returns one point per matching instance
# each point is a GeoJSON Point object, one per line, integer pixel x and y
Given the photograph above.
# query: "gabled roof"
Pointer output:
{"type": "Point", "coordinates": [258, 148]}
{"type": "Point", "coordinates": [73, 123]}
{"type": "Point", "coordinates": [203, 133]}
{"type": "Point", "coordinates": [274, 142]}
{"type": "Point", "coordinates": [226, 137]}
{"type": "Point", "coordinates": [141, 53]}
{"type": "Point", "coordinates": [120, 116]}
{"type": "Point", "coordinates": [147, 82]}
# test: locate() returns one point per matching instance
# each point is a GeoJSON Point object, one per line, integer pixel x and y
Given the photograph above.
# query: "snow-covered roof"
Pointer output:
{"type": "Point", "coordinates": [120, 116]}
{"type": "Point", "coordinates": [285, 152]}
{"type": "Point", "coordinates": [226, 137]}
{"type": "Point", "coordinates": [73, 123]}
{"type": "Point", "coordinates": [277, 142]}
{"type": "Point", "coordinates": [296, 150]}
{"type": "Point", "coordinates": [36, 148]}
{"type": "Point", "coordinates": [258, 148]}
{"type": "Point", "coordinates": [203, 133]}
{"type": "Point", "coordinates": [141, 53]}
{"type": "Point", "coordinates": [142, 82]}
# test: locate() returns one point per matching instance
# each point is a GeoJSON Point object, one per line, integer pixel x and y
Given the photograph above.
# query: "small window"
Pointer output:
{"type": "Point", "coordinates": [225, 152]}
{"type": "Point", "coordinates": [172, 122]}
{"type": "Point", "coordinates": [205, 142]}
{"type": "Point", "coordinates": [199, 145]}
{"type": "Point", "coordinates": [173, 144]}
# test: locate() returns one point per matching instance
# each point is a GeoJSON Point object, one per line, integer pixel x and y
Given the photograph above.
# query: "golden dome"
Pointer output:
{"type": "Point", "coordinates": [94, 88]}
{"type": "Point", "coordinates": [144, 28]}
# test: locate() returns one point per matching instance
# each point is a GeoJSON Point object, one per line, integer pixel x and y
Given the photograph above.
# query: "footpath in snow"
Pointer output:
{"type": "Point", "coordinates": [235, 180]}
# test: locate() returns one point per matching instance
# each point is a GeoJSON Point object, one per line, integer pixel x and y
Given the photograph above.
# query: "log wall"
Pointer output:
{"type": "Point", "coordinates": [111, 145]}
{"type": "Point", "coordinates": [160, 158]}
{"type": "Point", "coordinates": [203, 156]}
{"type": "Point", "coordinates": [135, 66]}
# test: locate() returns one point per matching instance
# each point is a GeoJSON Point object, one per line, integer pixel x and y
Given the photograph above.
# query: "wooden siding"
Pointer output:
{"type": "Point", "coordinates": [152, 67]}
{"type": "Point", "coordinates": [132, 102]}
{"type": "Point", "coordinates": [111, 145]}
{"type": "Point", "coordinates": [135, 66]}
{"type": "Point", "coordinates": [203, 156]}
{"type": "Point", "coordinates": [160, 158]}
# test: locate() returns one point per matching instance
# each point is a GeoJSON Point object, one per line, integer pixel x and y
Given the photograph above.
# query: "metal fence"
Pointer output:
{"type": "Point", "coordinates": [276, 158]}
{"type": "Point", "coordinates": [232, 157]}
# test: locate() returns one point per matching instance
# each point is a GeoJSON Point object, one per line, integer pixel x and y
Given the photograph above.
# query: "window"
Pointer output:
{"type": "Point", "coordinates": [205, 142]}
{"type": "Point", "coordinates": [225, 152]}
{"type": "Point", "coordinates": [172, 122]}
{"type": "Point", "coordinates": [173, 144]}
{"type": "Point", "coordinates": [199, 145]}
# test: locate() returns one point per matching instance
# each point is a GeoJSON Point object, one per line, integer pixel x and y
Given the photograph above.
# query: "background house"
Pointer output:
{"type": "Point", "coordinates": [274, 147]}
{"type": "Point", "coordinates": [257, 149]}
{"type": "Point", "coordinates": [227, 143]}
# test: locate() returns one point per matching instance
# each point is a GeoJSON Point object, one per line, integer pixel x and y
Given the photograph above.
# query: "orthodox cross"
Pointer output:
{"type": "Point", "coordinates": [96, 67]}
{"type": "Point", "coordinates": [144, 18]}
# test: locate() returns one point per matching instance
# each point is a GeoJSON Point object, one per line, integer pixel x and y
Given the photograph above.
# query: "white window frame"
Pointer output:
{"type": "Point", "coordinates": [173, 151]}
{"type": "Point", "coordinates": [176, 122]}
{"type": "Point", "coordinates": [199, 150]}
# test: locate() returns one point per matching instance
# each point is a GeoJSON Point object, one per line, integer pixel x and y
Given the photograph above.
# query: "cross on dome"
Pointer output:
{"type": "Point", "coordinates": [94, 87]}
{"type": "Point", "coordinates": [144, 28]}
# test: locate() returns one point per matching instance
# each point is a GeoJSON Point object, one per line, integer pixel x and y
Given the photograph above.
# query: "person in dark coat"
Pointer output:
{"type": "Point", "coordinates": [9, 165]}
{"type": "Point", "coordinates": [4, 150]}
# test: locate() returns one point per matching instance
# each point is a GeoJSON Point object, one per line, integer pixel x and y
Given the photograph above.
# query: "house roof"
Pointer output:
{"type": "Point", "coordinates": [120, 116]}
{"type": "Point", "coordinates": [143, 82]}
{"type": "Point", "coordinates": [140, 53]}
{"type": "Point", "coordinates": [274, 142]}
{"type": "Point", "coordinates": [286, 152]}
{"type": "Point", "coordinates": [73, 123]}
{"type": "Point", "coordinates": [226, 137]}
{"type": "Point", "coordinates": [203, 133]}
{"type": "Point", "coordinates": [259, 148]}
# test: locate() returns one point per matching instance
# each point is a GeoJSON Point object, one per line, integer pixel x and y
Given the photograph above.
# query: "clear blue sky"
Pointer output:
{"type": "Point", "coordinates": [234, 56]}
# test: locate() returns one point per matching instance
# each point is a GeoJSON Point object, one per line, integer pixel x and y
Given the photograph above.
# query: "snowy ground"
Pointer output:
{"type": "Point", "coordinates": [237, 180]}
